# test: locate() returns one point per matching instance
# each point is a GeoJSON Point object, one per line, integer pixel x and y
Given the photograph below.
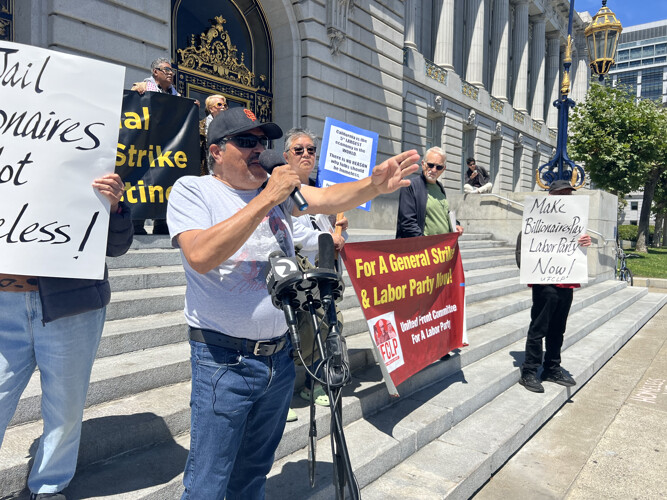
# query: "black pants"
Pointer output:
{"type": "Point", "coordinates": [548, 319]}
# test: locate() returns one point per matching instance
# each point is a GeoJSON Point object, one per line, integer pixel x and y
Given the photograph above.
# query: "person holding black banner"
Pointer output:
{"type": "Point", "coordinates": [423, 209]}
{"type": "Point", "coordinates": [548, 320]}
{"type": "Point", "coordinates": [226, 226]}
{"type": "Point", "coordinates": [55, 324]}
{"type": "Point", "coordinates": [161, 79]}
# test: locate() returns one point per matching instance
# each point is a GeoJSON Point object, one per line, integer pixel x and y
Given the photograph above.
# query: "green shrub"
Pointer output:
{"type": "Point", "coordinates": [629, 232]}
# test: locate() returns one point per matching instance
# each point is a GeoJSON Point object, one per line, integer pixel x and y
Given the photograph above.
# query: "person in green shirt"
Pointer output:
{"type": "Point", "coordinates": [423, 209]}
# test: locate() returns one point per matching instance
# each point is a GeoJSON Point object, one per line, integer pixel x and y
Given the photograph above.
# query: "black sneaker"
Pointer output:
{"type": "Point", "coordinates": [49, 496]}
{"type": "Point", "coordinates": [531, 382]}
{"type": "Point", "coordinates": [559, 377]}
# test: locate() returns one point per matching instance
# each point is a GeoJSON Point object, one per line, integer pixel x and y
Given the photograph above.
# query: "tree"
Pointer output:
{"type": "Point", "coordinates": [660, 211]}
{"type": "Point", "coordinates": [623, 144]}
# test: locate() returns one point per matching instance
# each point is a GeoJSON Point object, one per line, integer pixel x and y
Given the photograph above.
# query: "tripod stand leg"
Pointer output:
{"type": "Point", "coordinates": [312, 442]}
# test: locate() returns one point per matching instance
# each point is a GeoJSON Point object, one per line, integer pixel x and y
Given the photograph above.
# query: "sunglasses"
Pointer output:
{"type": "Point", "coordinates": [435, 166]}
{"type": "Point", "coordinates": [220, 105]}
{"type": "Point", "coordinates": [249, 141]}
{"type": "Point", "coordinates": [298, 150]}
{"type": "Point", "coordinates": [166, 71]}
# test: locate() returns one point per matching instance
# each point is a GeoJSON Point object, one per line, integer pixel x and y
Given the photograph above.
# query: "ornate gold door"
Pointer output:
{"type": "Point", "coordinates": [224, 48]}
{"type": "Point", "coordinates": [7, 20]}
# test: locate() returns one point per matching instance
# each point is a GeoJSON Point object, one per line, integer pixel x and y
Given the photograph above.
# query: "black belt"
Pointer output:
{"type": "Point", "coordinates": [256, 347]}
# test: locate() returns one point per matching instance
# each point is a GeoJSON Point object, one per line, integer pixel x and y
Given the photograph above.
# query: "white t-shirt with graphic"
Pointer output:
{"type": "Point", "coordinates": [232, 298]}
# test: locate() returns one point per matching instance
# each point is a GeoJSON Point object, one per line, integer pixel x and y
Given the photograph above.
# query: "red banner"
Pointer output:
{"type": "Point", "coordinates": [412, 293]}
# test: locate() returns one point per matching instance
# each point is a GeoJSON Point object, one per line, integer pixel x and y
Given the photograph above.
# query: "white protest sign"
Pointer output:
{"type": "Point", "coordinates": [59, 117]}
{"type": "Point", "coordinates": [550, 231]}
{"type": "Point", "coordinates": [348, 154]}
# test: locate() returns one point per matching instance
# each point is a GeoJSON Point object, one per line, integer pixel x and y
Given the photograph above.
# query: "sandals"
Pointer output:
{"type": "Point", "coordinates": [321, 398]}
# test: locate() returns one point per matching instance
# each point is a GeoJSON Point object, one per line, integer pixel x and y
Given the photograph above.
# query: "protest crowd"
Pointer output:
{"type": "Point", "coordinates": [226, 222]}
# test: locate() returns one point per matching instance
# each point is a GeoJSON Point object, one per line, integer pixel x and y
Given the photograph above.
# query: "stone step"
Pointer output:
{"type": "Point", "coordinates": [108, 430]}
{"type": "Point", "coordinates": [146, 257]}
{"type": "Point", "coordinates": [160, 252]}
{"type": "Point", "coordinates": [138, 278]}
{"type": "Point", "coordinates": [116, 377]}
{"type": "Point", "coordinates": [365, 396]}
{"type": "Point", "coordinates": [461, 460]}
{"type": "Point", "coordinates": [367, 234]}
{"type": "Point", "coordinates": [387, 440]}
{"type": "Point", "coordinates": [132, 334]}
{"type": "Point", "coordinates": [134, 303]}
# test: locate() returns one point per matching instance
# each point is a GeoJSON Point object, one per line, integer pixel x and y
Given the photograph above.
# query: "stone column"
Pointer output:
{"type": "Point", "coordinates": [527, 173]}
{"type": "Point", "coordinates": [410, 16]}
{"type": "Point", "coordinates": [444, 39]}
{"type": "Point", "coordinates": [537, 53]}
{"type": "Point", "coordinates": [582, 75]}
{"type": "Point", "coordinates": [482, 147]}
{"type": "Point", "coordinates": [504, 179]}
{"type": "Point", "coordinates": [500, 35]}
{"type": "Point", "coordinates": [475, 22]}
{"type": "Point", "coordinates": [521, 56]}
{"type": "Point", "coordinates": [553, 70]}
{"type": "Point", "coordinates": [452, 144]}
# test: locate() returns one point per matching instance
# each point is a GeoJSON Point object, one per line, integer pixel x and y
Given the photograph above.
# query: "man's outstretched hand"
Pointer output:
{"type": "Point", "coordinates": [390, 175]}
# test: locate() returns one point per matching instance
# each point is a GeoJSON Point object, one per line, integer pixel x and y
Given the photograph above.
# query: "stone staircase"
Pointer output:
{"type": "Point", "coordinates": [455, 423]}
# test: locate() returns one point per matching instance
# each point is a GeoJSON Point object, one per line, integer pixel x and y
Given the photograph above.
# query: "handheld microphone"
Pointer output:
{"type": "Point", "coordinates": [282, 279]}
{"type": "Point", "coordinates": [270, 159]}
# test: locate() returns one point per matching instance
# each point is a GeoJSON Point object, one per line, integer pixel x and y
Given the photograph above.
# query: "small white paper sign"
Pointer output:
{"type": "Point", "coordinates": [348, 154]}
{"type": "Point", "coordinates": [59, 117]}
{"type": "Point", "coordinates": [550, 231]}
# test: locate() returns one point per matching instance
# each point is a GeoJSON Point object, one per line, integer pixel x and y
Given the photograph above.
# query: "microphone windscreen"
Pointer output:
{"type": "Point", "coordinates": [270, 159]}
{"type": "Point", "coordinates": [327, 255]}
{"type": "Point", "coordinates": [269, 267]}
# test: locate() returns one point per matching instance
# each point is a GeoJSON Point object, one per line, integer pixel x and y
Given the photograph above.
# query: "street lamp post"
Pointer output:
{"type": "Point", "coordinates": [602, 38]}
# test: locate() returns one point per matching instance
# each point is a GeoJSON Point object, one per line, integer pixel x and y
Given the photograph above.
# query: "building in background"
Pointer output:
{"type": "Point", "coordinates": [641, 61]}
{"type": "Point", "coordinates": [476, 77]}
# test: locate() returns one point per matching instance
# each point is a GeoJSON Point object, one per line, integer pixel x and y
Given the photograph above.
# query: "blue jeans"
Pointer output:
{"type": "Point", "coordinates": [64, 351]}
{"type": "Point", "coordinates": [239, 403]}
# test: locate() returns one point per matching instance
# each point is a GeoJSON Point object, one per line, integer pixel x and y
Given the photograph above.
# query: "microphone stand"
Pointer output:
{"type": "Point", "coordinates": [335, 375]}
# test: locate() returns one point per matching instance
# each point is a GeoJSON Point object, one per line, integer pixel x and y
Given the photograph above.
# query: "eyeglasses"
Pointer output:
{"type": "Point", "coordinates": [166, 70]}
{"type": "Point", "coordinates": [222, 105]}
{"type": "Point", "coordinates": [248, 141]}
{"type": "Point", "coordinates": [298, 150]}
{"type": "Point", "coordinates": [435, 166]}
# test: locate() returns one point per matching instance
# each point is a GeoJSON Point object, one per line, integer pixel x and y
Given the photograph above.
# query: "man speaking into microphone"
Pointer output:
{"type": "Point", "coordinates": [226, 225]}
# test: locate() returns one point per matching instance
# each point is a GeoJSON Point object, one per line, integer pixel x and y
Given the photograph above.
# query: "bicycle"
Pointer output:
{"type": "Point", "coordinates": [622, 271]}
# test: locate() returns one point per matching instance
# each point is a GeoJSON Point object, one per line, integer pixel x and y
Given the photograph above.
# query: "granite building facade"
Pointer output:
{"type": "Point", "coordinates": [476, 77]}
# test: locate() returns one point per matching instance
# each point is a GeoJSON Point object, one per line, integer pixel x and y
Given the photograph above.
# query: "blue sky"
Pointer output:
{"type": "Point", "coordinates": [629, 12]}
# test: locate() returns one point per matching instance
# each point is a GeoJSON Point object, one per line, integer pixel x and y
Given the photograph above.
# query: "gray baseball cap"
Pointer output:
{"type": "Point", "coordinates": [234, 121]}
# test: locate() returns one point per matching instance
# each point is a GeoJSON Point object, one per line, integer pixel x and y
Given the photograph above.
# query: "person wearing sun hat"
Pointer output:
{"type": "Point", "coordinates": [226, 225]}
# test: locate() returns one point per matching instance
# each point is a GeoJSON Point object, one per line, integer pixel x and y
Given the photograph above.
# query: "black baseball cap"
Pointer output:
{"type": "Point", "coordinates": [235, 121]}
{"type": "Point", "coordinates": [560, 184]}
